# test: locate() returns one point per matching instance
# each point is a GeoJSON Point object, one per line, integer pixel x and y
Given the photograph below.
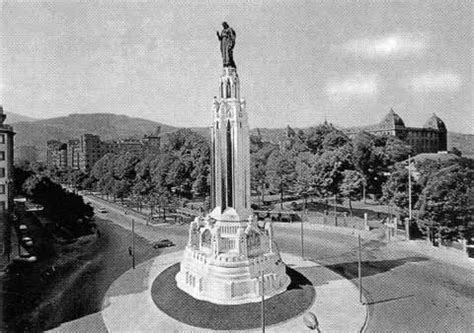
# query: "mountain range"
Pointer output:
{"type": "Point", "coordinates": [36, 132]}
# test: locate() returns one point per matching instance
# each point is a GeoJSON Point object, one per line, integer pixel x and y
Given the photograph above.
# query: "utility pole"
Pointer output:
{"type": "Point", "coordinates": [263, 304]}
{"type": "Point", "coordinates": [133, 243]}
{"type": "Point", "coordinates": [360, 272]}
{"type": "Point", "coordinates": [409, 187]}
{"type": "Point", "coordinates": [302, 240]}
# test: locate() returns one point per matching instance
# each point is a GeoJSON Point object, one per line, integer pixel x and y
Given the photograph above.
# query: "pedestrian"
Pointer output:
{"type": "Point", "coordinates": [130, 251]}
{"type": "Point", "coordinates": [98, 233]}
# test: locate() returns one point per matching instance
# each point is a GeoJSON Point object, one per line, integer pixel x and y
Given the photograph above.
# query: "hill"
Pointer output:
{"type": "Point", "coordinates": [13, 118]}
{"type": "Point", "coordinates": [31, 132]}
{"type": "Point", "coordinates": [108, 126]}
{"type": "Point", "coordinates": [463, 142]}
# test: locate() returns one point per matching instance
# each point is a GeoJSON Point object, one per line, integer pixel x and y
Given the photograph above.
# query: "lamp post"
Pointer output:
{"type": "Point", "coordinates": [409, 188]}
{"type": "Point", "coordinates": [360, 271]}
{"type": "Point", "coordinates": [262, 307]}
{"type": "Point", "coordinates": [131, 250]}
{"type": "Point", "coordinates": [302, 240]}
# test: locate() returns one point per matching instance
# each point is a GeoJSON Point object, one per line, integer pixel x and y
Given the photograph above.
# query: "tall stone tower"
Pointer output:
{"type": "Point", "coordinates": [228, 252]}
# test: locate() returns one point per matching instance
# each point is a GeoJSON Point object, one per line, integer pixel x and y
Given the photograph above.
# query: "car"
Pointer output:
{"type": "Point", "coordinates": [163, 243]}
{"type": "Point", "coordinates": [23, 229]}
{"type": "Point", "coordinates": [27, 241]}
{"type": "Point", "coordinates": [103, 210]}
{"type": "Point", "coordinates": [25, 258]}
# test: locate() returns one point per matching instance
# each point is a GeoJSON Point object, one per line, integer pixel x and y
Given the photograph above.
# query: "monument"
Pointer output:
{"type": "Point", "coordinates": [228, 252]}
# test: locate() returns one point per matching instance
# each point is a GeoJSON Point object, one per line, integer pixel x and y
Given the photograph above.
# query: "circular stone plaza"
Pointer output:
{"type": "Point", "coordinates": [148, 299]}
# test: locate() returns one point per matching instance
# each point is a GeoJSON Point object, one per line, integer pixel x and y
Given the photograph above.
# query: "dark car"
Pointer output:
{"type": "Point", "coordinates": [163, 243]}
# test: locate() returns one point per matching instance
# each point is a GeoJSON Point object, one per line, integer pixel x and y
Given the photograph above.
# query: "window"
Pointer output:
{"type": "Point", "coordinates": [2, 172]}
{"type": "Point", "coordinates": [2, 156]}
{"type": "Point", "coordinates": [2, 189]}
{"type": "Point", "coordinates": [2, 138]}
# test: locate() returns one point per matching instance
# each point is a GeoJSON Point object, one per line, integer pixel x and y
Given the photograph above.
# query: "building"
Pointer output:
{"type": "Point", "coordinates": [229, 258]}
{"type": "Point", "coordinates": [84, 152]}
{"type": "Point", "coordinates": [73, 153]}
{"type": "Point", "coordinates": [431, 138]}
{"type": "Point", "coordinates": [56, 154]}
{"type": "Point", "coordinates": [6, 166]}
{"type": "Point", "coordinates": [90, 151]}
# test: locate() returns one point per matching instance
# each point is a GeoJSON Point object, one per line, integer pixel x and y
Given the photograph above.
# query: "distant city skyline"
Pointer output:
{"type": "Point", "coordinates": [300, 62]}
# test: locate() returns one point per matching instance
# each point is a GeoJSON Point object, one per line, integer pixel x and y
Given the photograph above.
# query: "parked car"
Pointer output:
{"type": "Point", "coordinates": [163, 243]}
{"type": "Point", "coordinates": [25, 258]}
{"type": "Point", "coordinates": [27, 241]}
{"type": "Point", "coordinates": [23, 229]}
{"type": "Point", "coordinates": [103, 210]}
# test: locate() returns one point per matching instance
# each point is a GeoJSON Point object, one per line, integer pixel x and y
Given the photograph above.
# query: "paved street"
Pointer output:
{"type": "Point", "coordinates": [406, 290]}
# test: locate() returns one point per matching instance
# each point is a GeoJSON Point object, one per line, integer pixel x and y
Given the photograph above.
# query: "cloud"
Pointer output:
{"type": "Point", "coordinates": [358, 85]}
{"type": "Point", "coordinates": [399, 45]}
{"type": "Point", "coordinates": [435, 82]}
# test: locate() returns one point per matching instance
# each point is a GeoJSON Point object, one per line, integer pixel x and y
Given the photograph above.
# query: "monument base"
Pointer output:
{"type": "Point", "coordinates": [225, 260]}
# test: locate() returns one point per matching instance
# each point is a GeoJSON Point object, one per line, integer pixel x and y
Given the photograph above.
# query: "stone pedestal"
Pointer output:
{"type": "Point", "coordinates": [224, 260]}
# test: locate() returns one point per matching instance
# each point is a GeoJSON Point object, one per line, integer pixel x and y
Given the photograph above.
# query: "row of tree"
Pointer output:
{"type": "Point", "coordinates": [442, 195]}
{"type": "Point", "coordinates": [67, 210]}
{"type": "Point", "coordinates": [321, 161]}
{"type": "Point", "coordinates": [325, 162]}
{"type": "Point", "coordinates": [180, 170]}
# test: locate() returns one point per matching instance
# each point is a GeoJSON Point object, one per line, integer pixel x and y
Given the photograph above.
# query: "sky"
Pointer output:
{"type": "Point", "coordinates": [299, 62]}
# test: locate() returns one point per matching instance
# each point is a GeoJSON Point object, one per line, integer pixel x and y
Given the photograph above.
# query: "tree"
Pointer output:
{"type": "Point", "coordinates": [334, 139]}
{"type": "Point", "coordinates": [315, 137]}
{"type": "Point", "coordinates": [373, 156]}
{"type": "Point", "coordinates": [304, 182]}
{"type": "Point", "coordinates": [395, 190]}
{"type": "Point", "coordinates": [329, 170]}
{"type": "Point", "coordinates": [456, 151]}
{"type": "Point", "coordinates": [281, 172]}
{"type": "Point", "coordinates": [447, 201]}
{"type": "Point", "coordinates": [258, 166]}
{"type": "Point", "coordinates": [67, 210]}
{"type": "Point", "coordinates": [351, 187]}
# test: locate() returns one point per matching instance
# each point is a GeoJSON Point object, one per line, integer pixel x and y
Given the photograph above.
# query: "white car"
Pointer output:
{"type": "Point", "coordinates": [26, 258]}
{"type": "Point", "coordinates": [27, 241]}
{"type": "Point", "coordinates": [103, 210]}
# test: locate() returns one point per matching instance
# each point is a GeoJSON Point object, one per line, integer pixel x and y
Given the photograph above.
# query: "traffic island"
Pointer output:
{"type": "Point", "coordinates": [179, 305]}
{"type": "Point", "coordinates": [146, 299]}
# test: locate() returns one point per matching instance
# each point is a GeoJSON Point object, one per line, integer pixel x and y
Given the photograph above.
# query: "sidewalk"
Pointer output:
{"type": "Point", "coordinates": [128, 305]}
{"type": "Point", "coordinates": [442, 253]}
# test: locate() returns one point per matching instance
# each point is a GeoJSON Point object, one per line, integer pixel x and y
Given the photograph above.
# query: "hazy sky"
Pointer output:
{"type": "Point", "coordinates": [299, 62]}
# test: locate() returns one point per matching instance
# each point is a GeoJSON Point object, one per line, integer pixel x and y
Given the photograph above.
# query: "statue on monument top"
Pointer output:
{"type": "Point", "coordinates": [227, 39]}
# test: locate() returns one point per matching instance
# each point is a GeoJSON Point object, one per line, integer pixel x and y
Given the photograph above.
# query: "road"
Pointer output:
{"type": "Point", "coordinates": [405, 291]}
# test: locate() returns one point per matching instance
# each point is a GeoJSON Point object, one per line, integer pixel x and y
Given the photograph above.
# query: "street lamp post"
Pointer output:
{"type": "Point", "coordinates": [302, 240]}
{"type": "Point", "coordinates": [409, 187]}
{"type": "Point", "coordinates": [262, 308]}
{"type": "Point", "coordinates": [133, 243]}
{"type": "Point", "coordinates": [360, 272]}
